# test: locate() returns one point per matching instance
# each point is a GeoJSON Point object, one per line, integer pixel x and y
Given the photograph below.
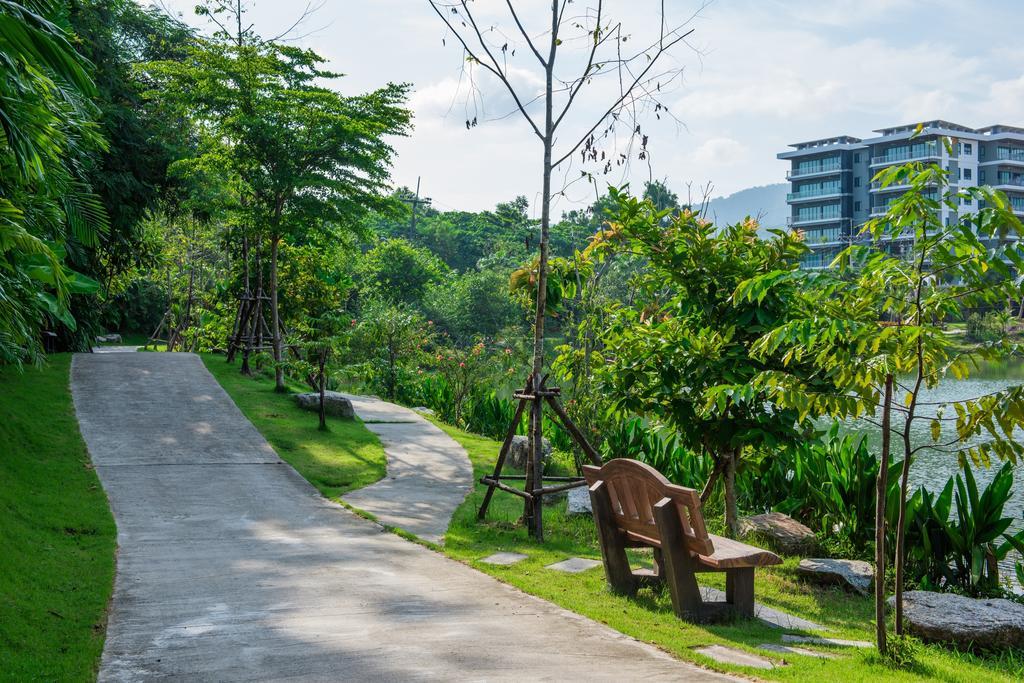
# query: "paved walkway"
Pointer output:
{"type": "Point", "coordinates": [429, 474]}
{"type": "Point", "coordinates": [232, 567]}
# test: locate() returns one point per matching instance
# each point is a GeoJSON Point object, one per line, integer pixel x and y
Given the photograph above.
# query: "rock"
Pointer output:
{"type": "Point", "coordinates": [969, 622]}
{"type": "Point", "coordinates": [579, 502]}
{"type": "Point", "coordinates": [788, 535]}
{"type": "Point", "coordinates": [519, 452]}
{"type": "Point", "coordinates": [855, 574]}
{"type": "Point", "coordinates": [423, 410]}
{"type": "Point", "coordinates": [108, 339]}
{"type": "Point", "coordinates": [335, 404]}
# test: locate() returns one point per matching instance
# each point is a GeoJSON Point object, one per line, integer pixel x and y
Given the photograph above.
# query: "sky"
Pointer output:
{"type": "Point", "coordinates": [757, 75]}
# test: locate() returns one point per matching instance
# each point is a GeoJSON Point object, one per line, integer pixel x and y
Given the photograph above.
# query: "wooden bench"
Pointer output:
{"type": "Point", "coordinates": [635, 506]}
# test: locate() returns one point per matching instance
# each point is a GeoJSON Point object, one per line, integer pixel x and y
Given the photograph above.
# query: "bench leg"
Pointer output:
{"type": "Point", "coordinates": [739, 591]}
{"type": "Point", "coordinates": [678, 564]}
{"type": "Point", "coordinates": [613, 547]}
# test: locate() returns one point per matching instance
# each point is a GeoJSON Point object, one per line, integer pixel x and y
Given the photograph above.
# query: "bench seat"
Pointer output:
{"type": "Point", "coordinates": [636, 506]}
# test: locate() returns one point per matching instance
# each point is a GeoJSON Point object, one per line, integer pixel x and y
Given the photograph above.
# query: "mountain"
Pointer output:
{"type": "Point", "coordinates": [767, 202]}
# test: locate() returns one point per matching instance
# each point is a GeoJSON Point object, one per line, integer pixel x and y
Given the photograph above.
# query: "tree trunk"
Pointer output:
{"type": "Point", "coordinates": [275, 317]}
{"type": "Point", "coordinates": [901, 529]}
{"type": "Point", "coordinates": [323, 382]}
{"type": "Point", "coordinates": [536, 443]}
{"type": "Point", "coordinates": [732, 521]}
{"type": "Point", "coordinates": [709, 485]}
{"type": "Point", "coordinates": [882, 486]}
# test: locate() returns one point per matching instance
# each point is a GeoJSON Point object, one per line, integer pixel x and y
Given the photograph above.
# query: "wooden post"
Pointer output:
{"type": "Point", "coordinates": [567, 422]}
{"type": "Point", "coordinates": [613, 547]}
{"type": "Point", "coordinates": [679, 565]}
{"type": "Point", "coordinates": [739, 591]}
{"type": "Point", "coordinates": [503, 453]}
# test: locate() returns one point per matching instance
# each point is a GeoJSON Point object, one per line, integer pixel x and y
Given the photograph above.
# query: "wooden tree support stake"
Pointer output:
{"type": "Point", "coordinates": [533, 491]}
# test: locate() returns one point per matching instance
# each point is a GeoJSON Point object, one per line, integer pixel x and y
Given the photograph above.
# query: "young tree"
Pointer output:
{"type": "Point", "coordinates": [876, 331]}
{"type": "Point", "coordinates": [643, 76]}
{"type": "Point", "coordinates": [308, 159]}
{"type": "Point", "coordinates": [682, 354]}
{"type": "Point", "coordinates": [390, 335]}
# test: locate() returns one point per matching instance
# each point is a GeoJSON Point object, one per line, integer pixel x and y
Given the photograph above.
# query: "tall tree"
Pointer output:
{"type": "Point", "coordinates": [308, 159]}
{"type": "Point", "coordinates": [642, 81]}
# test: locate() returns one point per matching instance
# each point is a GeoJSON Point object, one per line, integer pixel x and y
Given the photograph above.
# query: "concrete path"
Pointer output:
{"type": "Point", "coordinates": [429, 474]}
{"type": "Point", "coordinates": [231, 567]}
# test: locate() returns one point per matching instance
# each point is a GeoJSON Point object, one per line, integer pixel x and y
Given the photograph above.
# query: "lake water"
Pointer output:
{"type": "Point", "coordinates": [933, 469]}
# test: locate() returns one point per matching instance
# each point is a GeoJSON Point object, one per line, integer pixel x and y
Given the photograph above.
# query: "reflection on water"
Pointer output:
{"type": "Point", "coordinates": [932, 469]}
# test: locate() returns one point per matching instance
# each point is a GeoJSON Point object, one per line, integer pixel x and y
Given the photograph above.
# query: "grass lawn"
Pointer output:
{"type": "Point", "coordinates": [57, 536]}
{"type": "Point", "coordinates": [649, 616]}
{"type": "Point", "coordinates": [346, 457]}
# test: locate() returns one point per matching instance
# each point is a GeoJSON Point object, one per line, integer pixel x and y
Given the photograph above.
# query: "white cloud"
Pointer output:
{"type": "Point", "coordinates": [719, 152]}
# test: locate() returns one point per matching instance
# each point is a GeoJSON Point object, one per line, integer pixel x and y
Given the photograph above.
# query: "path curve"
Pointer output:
{"type": "Point", "coordinates": [232, 567]}
{"type": "Point", "coordinates": [429, 473]}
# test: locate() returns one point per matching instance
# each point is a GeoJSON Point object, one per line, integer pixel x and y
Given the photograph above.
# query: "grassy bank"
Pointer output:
{"type": "Point", "coordinates": [57, 536]}
{"type": "Point", "coordinates": [649, 615]}
{"type": "Point", "coordinates": [346, 457]}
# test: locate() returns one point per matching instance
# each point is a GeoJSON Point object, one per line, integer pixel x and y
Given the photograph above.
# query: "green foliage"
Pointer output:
{"type": "Point", "coordinates": [48, 209]}
{"type": "Point", "coordinates": [660, 449]}
{"type": "Point", "coordinates": [903, 651]}
{"type": "Point", "coordinates": [390, 339]}
{"type": "Point", "coordinates": [397, 271]}
{"type": "Point", "coordinates": [957, 538]}
{"type": "Point", "coordinates": [987, 327]}
{"type": "Point", "coordinates": [474, 304]}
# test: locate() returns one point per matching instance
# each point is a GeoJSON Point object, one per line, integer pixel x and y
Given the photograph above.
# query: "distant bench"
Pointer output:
{"type": "Point", "coordinates": [635, 506]}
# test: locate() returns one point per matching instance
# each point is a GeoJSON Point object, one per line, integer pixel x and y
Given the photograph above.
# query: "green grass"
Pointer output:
{"type": "Point", "coordinates": [345, 457]}
{"type": "Point", "coordinates": [57, 536]}
{"type": "Point", "coordinates": [649, 617]}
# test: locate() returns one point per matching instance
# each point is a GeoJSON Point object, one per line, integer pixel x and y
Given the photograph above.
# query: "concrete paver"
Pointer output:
{"type": "Point", "coordinates": [232, 567]}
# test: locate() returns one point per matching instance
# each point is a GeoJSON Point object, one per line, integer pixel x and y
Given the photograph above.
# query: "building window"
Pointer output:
{"type": "Point", "coordinates": [981, 151]}
{"type": "Point", "coordinates": [856, 181]}
{"type": "Point", "coordinates": [856, 206]}
{"type": "Point", "coordinates": [967, 174]}
{"type": "Point", "coordinates": [966, 201]}
{"type": "Point", "coordinates": [981, 175]}
{"type": "Point", "coordinates": [968, 149]}
{"type": "Point", "coordinates": [856, 157]}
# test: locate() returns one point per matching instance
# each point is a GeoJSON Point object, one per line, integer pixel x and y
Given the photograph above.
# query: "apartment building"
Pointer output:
{"type": "Point", "coordinates": [831, 194]}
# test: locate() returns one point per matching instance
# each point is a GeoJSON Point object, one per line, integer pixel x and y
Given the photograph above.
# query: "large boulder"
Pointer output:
{"type": "Point", "coordinates": [335, 404]}
{"type": "Point", "coordinates": [787, 534]}
{"type": "Point", "coordinates": [854, 574]}
{"type": "Point", "coordinates": [108, 339]}
{"type": "Point", "coordinates": [519, 452]}
{"type": "Point", "coordinates": [968, 622]}
{"type": "Point", "coordinates": [579, 501]}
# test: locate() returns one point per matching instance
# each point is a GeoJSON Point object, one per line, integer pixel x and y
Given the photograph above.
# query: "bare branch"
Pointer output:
{"type": "Point", "coordinates": [522, 30]}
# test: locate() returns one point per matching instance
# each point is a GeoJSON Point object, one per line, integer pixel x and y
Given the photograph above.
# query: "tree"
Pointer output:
{"type": "Point", "coordinates": [308, 159]}
{"type": "Point", "coordinates": [390, 335]}
{"type": "Point", "coordinates": [876, 331]}
{"type": "Point", "coordinates": [604, 55]}
{"type": "Point", "coordinates": [682, 354]}
{"type": "Point", "coordinates": [399, 272]}
{"type": "Point", "coordinates": [48, 210]}
{"type": "Point", "coordinates": [321, 338]}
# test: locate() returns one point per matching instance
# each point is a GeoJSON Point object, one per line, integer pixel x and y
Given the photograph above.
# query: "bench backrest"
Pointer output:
{"type": "Point", "coordinates": [635, 487]}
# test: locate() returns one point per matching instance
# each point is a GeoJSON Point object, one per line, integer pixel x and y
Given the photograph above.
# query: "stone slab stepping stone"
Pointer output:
{"type": "Point", "coordinates": [772, 617]}
{"type": "Point", "coordinates": [855, 574]}
{"type": "Point", "coordinates": [503, 559]}
{"type": "Point", "coordinates": [787, 650]}
{"type": "Point", "coordinates": [947, 617]}
{"type": "Point", "coordinates": [574, 565]}
{"type": "Point", "coordinates": [816, 640]}
{"type": "Point", "coordinates": [728, 655]}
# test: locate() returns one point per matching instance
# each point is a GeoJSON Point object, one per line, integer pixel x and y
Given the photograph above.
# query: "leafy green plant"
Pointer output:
{"type": "Point", "coordinates": [963, 550]}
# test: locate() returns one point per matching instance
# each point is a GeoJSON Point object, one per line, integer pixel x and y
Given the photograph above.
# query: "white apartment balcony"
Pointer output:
{"type": "Point", "coordinates": [877, 187]}
{"type": "Point", "coordinates": [1009, 184]}
{"type": "Point", "coordinates": [930, 154]}
{"type": "Point", "coordinates": [815, 172]}
{"type": "Point", "coordinates": [820, 220]}
{"type": "Point", "coordinates": [814, 195]}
